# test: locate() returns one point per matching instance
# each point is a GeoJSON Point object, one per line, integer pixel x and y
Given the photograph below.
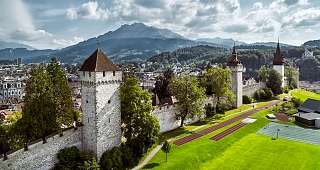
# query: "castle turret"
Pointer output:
{"type": "Point", "coordinates": [278, 63]}
{"type": "Point", "coordinates": [236, 68]}
{"type": "Point", "coordinates": [100, 103]}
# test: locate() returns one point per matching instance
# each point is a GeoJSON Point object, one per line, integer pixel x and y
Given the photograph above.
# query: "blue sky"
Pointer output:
{"type": "Point", "coordinates": [60, 23]}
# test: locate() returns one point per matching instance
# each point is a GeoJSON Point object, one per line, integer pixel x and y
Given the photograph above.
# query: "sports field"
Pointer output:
{"type": "Point", "coordinates": [242, 150]}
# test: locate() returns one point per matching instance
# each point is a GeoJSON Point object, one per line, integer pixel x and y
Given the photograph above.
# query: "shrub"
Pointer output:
{"type": "Point", "coordinates": [209, 110]}
{"type": "Point", "coordinates": [286, 89]}
{"type": "Point", "coordinates": [118, 158]}
{"type": "Point", "coordinates": [246, 99]}
{"type": "Point", "coordinates": [296, 101]}
{"type": "Point", "coordinates": [263, 94]}
{"type": "Point", "coordinates": [72, 158]}
{"type": "Point", "coordinates": [111, 159]}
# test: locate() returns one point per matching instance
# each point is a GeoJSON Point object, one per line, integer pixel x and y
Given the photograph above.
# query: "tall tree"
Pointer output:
{"type": "Point", "coordinates": [218, 81]}
{"type": "Point", "coordinates": [189, 94]}
{"type": "Point", "coordinates": [38, 111]}
{"type": "Point", "coordinates": [292, 75]}
{"type": "Point", "coordinates": [162, 85]}
{"type": "Point", "coordinates": [274, 82]}
{"type": "Point", "coordinates": [263, 73]}
{"type": "Point", "coordinates": [140, 128]}
{"type": "Point", "coordinates": [61, 95]}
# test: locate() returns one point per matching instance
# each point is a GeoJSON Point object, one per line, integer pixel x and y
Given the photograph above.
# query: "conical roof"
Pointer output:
{"type": "Point", "coordinates": [277, 56]}
{"type": "Point", "coordinates": [98, 62]}
{"type": "Point", "coordinates": [233, 60]}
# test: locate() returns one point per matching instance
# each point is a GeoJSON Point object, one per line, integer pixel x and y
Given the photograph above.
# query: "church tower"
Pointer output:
{"type": "Point", "coordinates": [236, 68]}
{"type": "Point", "coordinates": [100, 103]}
{"type": "Point", "coordinates": [278, 63]}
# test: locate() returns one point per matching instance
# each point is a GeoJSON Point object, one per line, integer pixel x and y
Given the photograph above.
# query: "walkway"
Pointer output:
{"type": "Point", "coordinates": [148, 158]}
{"type": "Point", "coordinates": [223, 124]}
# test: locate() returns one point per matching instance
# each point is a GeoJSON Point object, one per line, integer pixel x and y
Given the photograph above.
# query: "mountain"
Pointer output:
{"type": "Point", "coordinates": [140, 30]}
{"type": "Point", "coordinates": [312, 43]}
{"type": "Point", "coordinates": [227, 43]}
{"type": "Point", "coordinates": [270, 44]}
{"type": "Point", "coordinates": [4, 45]}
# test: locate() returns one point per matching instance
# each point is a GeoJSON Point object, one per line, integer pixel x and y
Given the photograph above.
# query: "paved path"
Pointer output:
{"type": "Point", "coordinates": [223, 124]}
{"type": "Point", "coordinates": [148, 158]}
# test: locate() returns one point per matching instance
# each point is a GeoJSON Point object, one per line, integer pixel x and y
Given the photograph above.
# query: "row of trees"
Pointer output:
{"type": "Point", "coordinates": [47, 108]}
{"type": "Point", "coordinates": [191, 91]}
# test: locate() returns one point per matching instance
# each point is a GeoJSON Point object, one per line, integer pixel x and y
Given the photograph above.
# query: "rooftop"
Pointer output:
{"type": "Point", "coordinates": [98, 62]}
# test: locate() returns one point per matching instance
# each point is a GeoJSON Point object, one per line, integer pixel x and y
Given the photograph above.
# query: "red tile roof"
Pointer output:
{"type": "Point", "coordinates": [98, 62]}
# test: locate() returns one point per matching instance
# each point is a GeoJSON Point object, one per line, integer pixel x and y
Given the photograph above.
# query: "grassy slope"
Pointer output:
{"type": "Point", "coordinates": [242, 150]}
{"type": "Point", "coordinates": [304, 95]}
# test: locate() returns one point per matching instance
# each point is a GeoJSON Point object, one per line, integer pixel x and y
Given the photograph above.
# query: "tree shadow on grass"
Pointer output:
{"type": "Point", "coordinates": [151, 165]}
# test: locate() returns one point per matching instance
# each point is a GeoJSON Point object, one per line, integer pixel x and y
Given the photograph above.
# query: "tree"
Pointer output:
{"type": "Point", "coordinates": [140, 128]}
{"type": "Point", "coordinates": [61, 95]}
{"type": "Point", "coordinates": [112, 159]}
{"type": "Point", "coordinates": [246, 99]}
{"type": "Point", "coordinates": [166, 148]}
{"type": "Point", "coordinates": [274, 82]}
{"type": "Point", "coordinates": [162, 85]}
{"type": "Point", "coordinates": [292, 75]}
{"type": "Point", "coordinates": [189, 94]}
{"type": "Point", "coordinates": [38, 112]}
{"type": "Point", "coordinates": [218, 81]}
{"type": "Point", "coordinates": [263, 73]}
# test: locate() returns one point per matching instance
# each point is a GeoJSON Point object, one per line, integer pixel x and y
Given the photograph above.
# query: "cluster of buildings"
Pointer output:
{"type": "Point", "coordinates": [12, 82]}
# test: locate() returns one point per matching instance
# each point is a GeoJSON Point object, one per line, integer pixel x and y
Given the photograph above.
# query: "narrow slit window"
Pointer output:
{"type": "Point", "coordinates": [109, 101]}
{"type": "Point", "coordinates": [114, 73]}
{"type": "Point", "coordinates": [104, 74]}
{"type": "Point", "coordinates": [84, 74]}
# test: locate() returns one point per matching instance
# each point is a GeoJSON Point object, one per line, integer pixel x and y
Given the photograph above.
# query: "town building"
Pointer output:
{"type": "Point", "coordinates": [278, 63]}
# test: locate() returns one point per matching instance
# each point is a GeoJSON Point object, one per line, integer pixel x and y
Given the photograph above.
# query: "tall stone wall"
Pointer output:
{"type": "Point", "coordinates": [250, 89]}
{"type": "Point", "coordinates": [166, 115]}
{"type": "Point", "coordinates": [42, 156]}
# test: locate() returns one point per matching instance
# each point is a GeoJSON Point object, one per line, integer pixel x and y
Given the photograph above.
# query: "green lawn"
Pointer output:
{"type": "Point", "coordinates": [243, 149]}
{"type": "Point", "coordinates": [304, 94]}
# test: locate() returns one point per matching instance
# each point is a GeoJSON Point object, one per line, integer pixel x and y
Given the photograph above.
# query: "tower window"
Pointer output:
{"type": "Point", "coordinates": [104, 74]}
{"type": "Point", "coordinates": [109, 101]}
{"type": "Point", "coordinates": [87, 101]}
{"type": "Point", "coordinates": [84, 74]}
{"type": "Point", "coordinates": [88, 120]}
{"type": "Point", "coordinates": [109, 119]}
{"type": "Point", "coordinates": [89, 74]}
{"type": "Point", "coordinates": [114, 73]}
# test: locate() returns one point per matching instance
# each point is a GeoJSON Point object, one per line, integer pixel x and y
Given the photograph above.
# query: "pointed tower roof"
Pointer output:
{"type": "Point", "coordinates": [277, 56]}
{"type": "Point", "coordinates": [97, 62]}
{"type": "Point", "coordinates": [233, 60]}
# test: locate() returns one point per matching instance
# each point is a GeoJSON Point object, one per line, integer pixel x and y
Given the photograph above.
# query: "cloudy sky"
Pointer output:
{"type": "Point", "coordinates": [59, 23]}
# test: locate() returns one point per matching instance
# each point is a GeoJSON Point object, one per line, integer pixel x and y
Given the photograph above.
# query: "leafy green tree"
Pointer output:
{"type": "Point", "coordinates": [61, 95]}
{"type": "Point", "coordinates": [189, 94]}
{"type": "Point", "coordinates": [218, 81]}
{"type": "Point", "coordinates": [263, 73]}
{"type": "Point", "coordinates": [162, 85]}
{"type": "Point", "coordinates": [274, 82]}
{"type": "Point", "coordinates": [292, 75]}
{"type": "Point", "coordinates": [166, 148]}
{"type": "Point", "coordinates": [38, 111]}
{"type": "Point", "coordinates": [246, 99]}
{"type": "Point", "coordinates": [140, 128]}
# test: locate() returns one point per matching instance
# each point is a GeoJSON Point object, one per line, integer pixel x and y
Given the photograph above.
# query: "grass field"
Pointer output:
{"type": "Point", "coordinates": [243, 149]}
{"type": "Point", "coordinates": [304, 94]}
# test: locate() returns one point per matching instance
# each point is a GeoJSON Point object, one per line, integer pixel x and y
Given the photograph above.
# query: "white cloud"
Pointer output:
{"type": "Point", "coordinates": [64, 42]}
{"type": "Point", "coordinates": [89, 10]}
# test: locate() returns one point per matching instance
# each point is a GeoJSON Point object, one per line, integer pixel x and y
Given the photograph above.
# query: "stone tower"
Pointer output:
{"type": "Point", "coordinates": [100, 103]}
{"type": "Point", "coordinates": [278, 63]}
{"type": "Point", "coordinates": [236, 68]}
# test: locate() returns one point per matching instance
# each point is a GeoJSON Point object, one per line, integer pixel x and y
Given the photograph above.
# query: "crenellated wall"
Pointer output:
{"type": "Point", "coordinates": [42, 156]}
